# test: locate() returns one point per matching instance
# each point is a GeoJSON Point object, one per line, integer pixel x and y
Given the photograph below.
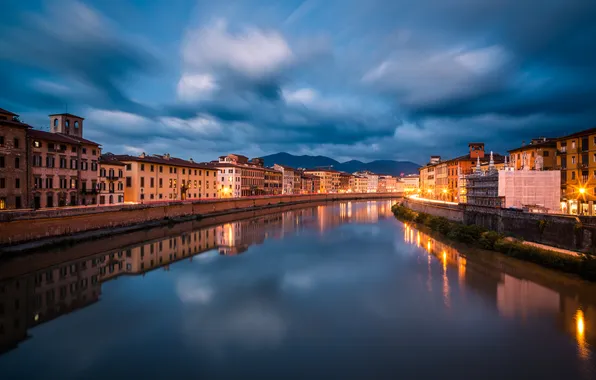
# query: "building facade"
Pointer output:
{"type": "Point", "coordinates": [288, 174]}
{"type": "Point", "coordinates": [328, 179]}
{"type": "Point", "coordinates": [150, 178]}
{"type": "Point", "coordinates": [111, 180]}
{"type": "Point", "coordinates": [273, 182]}
{"type": "Point", "coordinates": [64, 165]}
{"type": "Point", "coordinates": [14, 163]}
{"type": "Point", "coordinates": [576, 159]}
{"type": "Point", "coordinates": [540, 154]}
{"type": "Point", "coordinates": [359, 184]}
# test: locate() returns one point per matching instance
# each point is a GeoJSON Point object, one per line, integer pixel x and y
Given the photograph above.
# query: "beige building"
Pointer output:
{"type": "Point", "coordinates": [310, 183]}
{"type": "Point", "coordinates": [273, 182]}
{"type": "Point", "coordinates": [411, 183]}
{"type": "Point", "coordinates": [359, 184]}
{"type": "Point", "coordinates": [64, 165]}
{"type": "Point", "coordinates": [13, 162]}
{"type": "Point", "coordinates": [329, 179]}
{"type": "Point", "coordinates": [111, 180]}
{"type": "Point", "coordinates": [288, 178]}
{"type": "Point", "coordinates": [165, 178]}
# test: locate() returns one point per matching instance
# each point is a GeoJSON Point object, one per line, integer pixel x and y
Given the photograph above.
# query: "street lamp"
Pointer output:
{"type": "Point", "coordinates": [582, 192]}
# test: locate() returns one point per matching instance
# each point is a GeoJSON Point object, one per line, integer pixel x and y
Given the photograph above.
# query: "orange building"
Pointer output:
{"type": "Point", "coordinates": [13, 161]}
{"type": "Point", "coordinates": [540, 154]}
{"type": "Point", "coordinates": [111, 180]}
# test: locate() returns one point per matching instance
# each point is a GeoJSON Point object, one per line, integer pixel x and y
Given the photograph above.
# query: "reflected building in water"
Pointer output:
{"type": "Point", "coordinates": [45, 294]}
{"type": "Point", "coordinates": [572, 308]}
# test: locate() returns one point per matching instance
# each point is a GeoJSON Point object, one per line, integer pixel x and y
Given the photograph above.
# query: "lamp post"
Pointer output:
{"type": "Point", "coordinates": [582, 192]}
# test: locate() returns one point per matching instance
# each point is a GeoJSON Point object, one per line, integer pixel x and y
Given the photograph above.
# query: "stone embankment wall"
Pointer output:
{"type": "Point", "coordinates": [18, 227]}
{"type": "Point", "coordinates": [449, 211]}
{"type": "Point", "coordinates": [562, 231]}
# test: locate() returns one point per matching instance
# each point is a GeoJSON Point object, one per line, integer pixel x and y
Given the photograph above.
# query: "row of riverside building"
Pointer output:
{"type": "Point", "coordinates": [56, 168]}
{"type": "Point", "coordinates": [556, 175]}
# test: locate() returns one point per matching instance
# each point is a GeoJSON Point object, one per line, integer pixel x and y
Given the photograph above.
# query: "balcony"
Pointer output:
{"type": "Point", "coordinates": [562, 150]}
{"type": "Point", "coordinates": [112, 177]}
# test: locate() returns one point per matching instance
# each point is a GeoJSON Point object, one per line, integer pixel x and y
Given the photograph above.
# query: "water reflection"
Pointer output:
{"type": "Point", "coordinates": [51, 284]}
{"type": "Point", "coordinates": [519, 294]}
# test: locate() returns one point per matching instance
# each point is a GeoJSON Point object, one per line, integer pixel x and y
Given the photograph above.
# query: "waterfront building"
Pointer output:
{"type": "Point", "coordinates": [13, 162]}
{"type": "Point", "coordinates": [539, 154]}
{"type": "Point", "coordinates": [274, 182]}
{"type": "Point", "coordinates": [288, 177]}
{"type": "Point", "coordinates": [248, 176]}
{"type": "Point", "coordinates": [510, 188]}
{"type": "Point", "coordinates": [111, 180]}
{"type": "Point", "coordinates": [344, 182]}
{"type": "Point", "coordinates": [411, 183]}
{"type": "Point", "coordinates": [390, 184]}
{"type": "Point", "coordinates": [576, 159]}
{"type": "Point", "coordinates": [329, 179]}
{"type": "Point", "coordinates": [373, 180]}
{"type": "Point", "coordinates": [442, 190]}
{"type": "Point", "coordinates": [64, 165]}
{"type": "Point", "coordinates": [359, 184]}
{"type": "Point", "coordinates": [427, 177]}
{"type": "Point", "coordinates": [150, 178]}
{"type": "Point", "coordinates": [310, 183]}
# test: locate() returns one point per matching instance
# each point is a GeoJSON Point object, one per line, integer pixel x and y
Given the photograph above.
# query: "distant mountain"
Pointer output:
{"type": "Point", "coordinates": [389, 167]}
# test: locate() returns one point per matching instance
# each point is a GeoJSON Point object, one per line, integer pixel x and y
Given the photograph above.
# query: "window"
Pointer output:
{"type": "Point", "coordinates": [16, 143]}
{"type": "Point", "coordinates": [17, 183]}
{"type": "Point", "coordinates": [17, 201]}
{"type": "Point", "coordinates": [1, 140]}
{"type": "Point", "coordinates": [170, 170]}
{"type": "Point", "coordinates": [142, 167]}
{"type": "Point", "coordinates": [73, 183]}
{"type": "Point", "coordinates": [67, 123]}
{"type": "Point", "coordinates": [2, 161]}
{"type": "Point", "coordinates": [50, 161]}
{"type": "Point", "coordinates": [170, 183]}
{"type": "Point", "coordinates": [573, 159]}
{"type": "Point", "coordinates": [128, 182]}
{"type": "Point", "coordinates": [55, 122]}
{"type": "Point", "coordinates": [175, 170]}
{"type": "Point", "coordinates": [128, 167]}
{"type": "Point", "coordinates": [17, 162]}
{"type": "Point", "coordinates": [160, 183]}
{"type": "Point", "coordinates": [2, 183]}
{"type": "Point", "coordinates": [93, 152]}
{"type": "Point", "coordinates": [572, 175]}
{"type": "Point", "coordinates": [84, 150]}
{"type": "Point", "coordinates": [183, 171]}
{"type": "Point", "coordinates": [142, 181]}
{"type": "Point", "coordinates": [161, 169]}
{"type": "Point", "coordinates": [49, 182]}
{"type": "Point", "coordinates": [36, 144]}
{"type": "Point", "coordinates": [152, 182]}
{"type": "Point", "coordinates": [2, 203]}
{"type": "Point", "coordinates": [38, 183]}
{"type": "Point", "coordinates": [73, 163]}
{"type": "Point", "coordinates": [152, 168]}
{"type": "Point", "coordinates": [73, 149]}
{"type": "Point", "coordinates": [76, 124]}
{"type": "Point", "coordinates": [573, 144]}
{"type": "Point", "coordinates": [62, 162]}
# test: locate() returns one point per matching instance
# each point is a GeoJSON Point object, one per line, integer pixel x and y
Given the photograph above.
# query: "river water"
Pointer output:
{"type": "Point", "coordinates": [333, 291]}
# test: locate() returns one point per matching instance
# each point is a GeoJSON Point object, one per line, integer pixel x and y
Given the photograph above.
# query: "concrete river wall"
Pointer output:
{"type": "Point", "coordinates": [576, 233]}
{"type": "Point", "coordinates": [17, 227]}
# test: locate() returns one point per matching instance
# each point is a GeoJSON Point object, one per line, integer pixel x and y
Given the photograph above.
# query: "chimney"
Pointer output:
{"type": "Point", "coordinates": [166, 156]}
{"type": "Point", "coordinates": [191, 160]}
{"type": "Point", "coordinates": [142, 155]}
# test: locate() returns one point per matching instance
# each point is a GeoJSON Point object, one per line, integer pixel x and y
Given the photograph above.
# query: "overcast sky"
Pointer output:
{"type": "Point", "coordinates": [350, 79]}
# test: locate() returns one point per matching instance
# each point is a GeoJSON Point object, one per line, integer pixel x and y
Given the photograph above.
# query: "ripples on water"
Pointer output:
{"type": "Point", "coordinates": [341, 290]}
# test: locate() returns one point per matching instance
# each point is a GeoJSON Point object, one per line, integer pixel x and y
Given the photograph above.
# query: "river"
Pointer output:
{"type": "Point", "coordinates": [331, 291]}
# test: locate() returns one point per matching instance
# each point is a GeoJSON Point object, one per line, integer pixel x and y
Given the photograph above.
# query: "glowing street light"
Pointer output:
{"type": "Point", "coordinates": [582, 190]}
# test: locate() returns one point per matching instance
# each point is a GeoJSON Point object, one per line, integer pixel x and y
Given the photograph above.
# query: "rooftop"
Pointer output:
{"type": "Point", "coordinates": [2, 110]}
{"type": "Point", "coordinates": [59, 137]}
{"type": "Point", "coordinates": [67, 114]}
{"type": "Point", "coordinates": [580, 133]}
{"type": "Point", "coordinates": [110, 159]}
{"type": "Point", "coordinates": [163, 160]}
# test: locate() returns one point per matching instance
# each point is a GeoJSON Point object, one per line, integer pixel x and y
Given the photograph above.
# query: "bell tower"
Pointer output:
{"type": "Point", "coordinates": [67, 124]}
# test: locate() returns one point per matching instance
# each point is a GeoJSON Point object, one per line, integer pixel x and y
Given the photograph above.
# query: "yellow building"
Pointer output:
{"type": "Point", "coordinates": [359, 184]}
{"type": "Point", "coordinates": [329, 179]}
{"type": "Point", "coordinates": [540, 154]}
{"type": "Point", "coordinates": [576, 158]}
{"type": "Point", "coordinates": [165, 178]}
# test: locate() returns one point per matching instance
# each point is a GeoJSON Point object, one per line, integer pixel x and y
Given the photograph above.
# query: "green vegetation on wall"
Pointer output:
{"type": "Point", "coordinates": [583, 265]}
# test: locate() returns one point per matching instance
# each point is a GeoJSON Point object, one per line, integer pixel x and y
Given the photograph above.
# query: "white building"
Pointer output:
{"type": "Point", "coordinates": [288, 178]}
{"type": "Point", "coordinates": [528, 188]}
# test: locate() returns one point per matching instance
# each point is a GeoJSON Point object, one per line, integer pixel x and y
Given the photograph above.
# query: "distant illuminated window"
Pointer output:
{"type": "Point", "coordinates": [36, 144]}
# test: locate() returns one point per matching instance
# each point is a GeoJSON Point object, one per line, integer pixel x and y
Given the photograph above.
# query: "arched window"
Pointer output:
{"type": "Point", "coordinates": [67, 123]}
{"type": "Point", "coordinates": [55, 122]}
{"type": "Point", "coordinates": [76, 124]}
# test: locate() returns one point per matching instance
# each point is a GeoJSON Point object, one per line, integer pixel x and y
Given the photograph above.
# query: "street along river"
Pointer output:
{"type": "Point", "coordinates": [341, 290]}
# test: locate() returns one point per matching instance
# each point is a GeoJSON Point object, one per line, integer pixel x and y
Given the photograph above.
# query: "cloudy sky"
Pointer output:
{"type": "Point", "coordinates": [362, 79]}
